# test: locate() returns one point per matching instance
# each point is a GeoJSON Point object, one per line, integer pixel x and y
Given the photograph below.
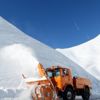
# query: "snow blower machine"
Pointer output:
{"type": "Point", "coordinates": [57, 82]}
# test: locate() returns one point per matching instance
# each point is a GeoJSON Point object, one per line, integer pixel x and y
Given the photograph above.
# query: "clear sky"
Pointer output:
{"type": "Point", "coordinates": [57, 23]}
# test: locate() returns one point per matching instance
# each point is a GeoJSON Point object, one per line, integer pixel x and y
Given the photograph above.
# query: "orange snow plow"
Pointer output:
{"type": "Point", "coordinates": [58, 82]}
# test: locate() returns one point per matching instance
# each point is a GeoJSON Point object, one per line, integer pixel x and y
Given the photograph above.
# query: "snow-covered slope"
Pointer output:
{"type": "Point", "coordinates": [20, 54]}
{"type": "Point", "coordinates": [86, 55]}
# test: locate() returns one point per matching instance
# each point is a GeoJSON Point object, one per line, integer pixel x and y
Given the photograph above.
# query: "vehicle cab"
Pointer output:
{"type": "Point", "coordinates": [60, 77]}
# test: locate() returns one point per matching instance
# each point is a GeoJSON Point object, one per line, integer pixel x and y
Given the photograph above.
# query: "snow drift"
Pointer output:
{"type": "Point", "coordinates": [87, 55]}
{"type": "Point", "coordinates": [20, 54]}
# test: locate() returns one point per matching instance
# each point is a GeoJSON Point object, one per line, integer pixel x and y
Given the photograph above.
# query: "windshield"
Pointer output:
{"type": "Point", "coordinates": [53, 73]}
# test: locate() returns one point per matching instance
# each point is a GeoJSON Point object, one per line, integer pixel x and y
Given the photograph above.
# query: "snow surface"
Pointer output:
{"type": "Point", "coordinates": [87, 55]}
{"type": "Point", "coordinates": [33, 79]}
{"type": "Point", "coordinates": [20, 54]}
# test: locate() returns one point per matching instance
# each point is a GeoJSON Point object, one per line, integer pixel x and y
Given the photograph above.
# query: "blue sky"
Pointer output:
{"type": "Point", "coordinates": [57, 23]}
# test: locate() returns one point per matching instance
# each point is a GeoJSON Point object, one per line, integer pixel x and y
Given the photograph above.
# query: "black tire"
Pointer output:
{"type": "Point", "coordinates": [69, 94]}
{"type": "Point", "coordinates": [86, 93]}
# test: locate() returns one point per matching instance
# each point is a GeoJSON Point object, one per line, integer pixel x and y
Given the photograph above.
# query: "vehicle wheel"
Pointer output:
{"type": "Point", "coordinates": [86, 94]}
{"type": "Point", "coordinates": [69, 94]}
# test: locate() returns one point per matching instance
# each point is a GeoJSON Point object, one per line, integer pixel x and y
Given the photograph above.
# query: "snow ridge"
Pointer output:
{"type": "Point", "coordinates": [86, 55]}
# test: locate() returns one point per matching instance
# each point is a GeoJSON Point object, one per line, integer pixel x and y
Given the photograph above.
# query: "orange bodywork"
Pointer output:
{"type": "Point", "coordinates": [57, 79]}
{"type": "Point", "coordinates": [81, 82]}
{"type": "Point", "coordinates": [62, 80]}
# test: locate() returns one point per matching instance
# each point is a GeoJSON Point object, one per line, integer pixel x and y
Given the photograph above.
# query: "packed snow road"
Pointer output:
{"type": "Point", "coordinates": [17, 94]}
{"type": "Point", "coordinates": [92, 98]}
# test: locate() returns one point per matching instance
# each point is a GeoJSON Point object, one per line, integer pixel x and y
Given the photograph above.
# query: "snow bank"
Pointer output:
{"type": "Point", "coordinates": [10, 93]}
{"type": "Point", "coordinates": [15, 60]}
{"type": "Point", "coordinates": [87, 55]}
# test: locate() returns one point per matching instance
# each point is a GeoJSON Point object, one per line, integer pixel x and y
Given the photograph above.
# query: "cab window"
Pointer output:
{"type": "Point", "coordinates": [49, 73]}
{"type": "Point", "coordinates": [57, 72]}
{"type": "Point", "coordinates": [65, 72]}
{"type": "Point", "coordinates": [53, 73]}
